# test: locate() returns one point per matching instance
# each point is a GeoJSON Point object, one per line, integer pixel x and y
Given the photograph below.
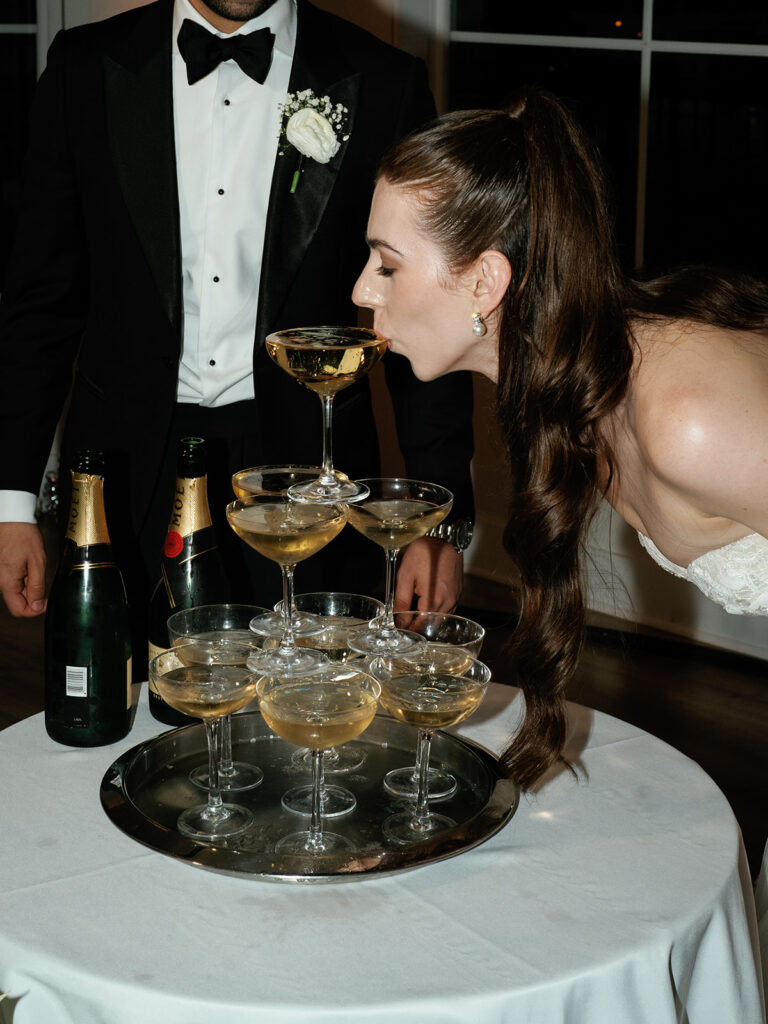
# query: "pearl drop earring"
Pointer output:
{"type": "Point", "coordinates": [478, 325]}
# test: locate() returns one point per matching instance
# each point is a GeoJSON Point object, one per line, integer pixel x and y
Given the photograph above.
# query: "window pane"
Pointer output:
{"type": "Point", "coordinates": [708, 162]}
{"type": "Point", "coordinates": [713, 21]}
{"type": "Point", "coordinates": [15, 12]}
{"type": "Point", "coordinates": [488, 75]}
{"type": "Point", "coordinates": [621, 19]}
{"type": "Point", "coordinates": [17, 83]}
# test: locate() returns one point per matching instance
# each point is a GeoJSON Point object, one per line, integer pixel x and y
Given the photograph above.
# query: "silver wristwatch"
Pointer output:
{"type": "Point", "coordinates": [458, 533]}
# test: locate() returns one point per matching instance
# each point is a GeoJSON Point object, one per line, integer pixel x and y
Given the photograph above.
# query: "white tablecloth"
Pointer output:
{"type": "Point", "coordinates": [621, 899]}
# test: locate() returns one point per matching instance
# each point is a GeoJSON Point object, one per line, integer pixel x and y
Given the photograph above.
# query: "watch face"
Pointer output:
{"type": "Point", "coordinates": [464, 530]}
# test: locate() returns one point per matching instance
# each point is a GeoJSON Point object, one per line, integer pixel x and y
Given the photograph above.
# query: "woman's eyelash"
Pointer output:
{"type": "Point", "coordinates": [385, 271]}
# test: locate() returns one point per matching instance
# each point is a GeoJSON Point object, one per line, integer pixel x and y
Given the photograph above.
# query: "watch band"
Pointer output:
{"type": "Point", "coordinates": [458, 533]}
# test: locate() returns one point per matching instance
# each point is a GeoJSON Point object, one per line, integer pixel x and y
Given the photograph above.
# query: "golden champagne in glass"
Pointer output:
{"type": "Point", "coordinates": [287, 533]}
{"type": "Point", "coordinates": [325, 360]}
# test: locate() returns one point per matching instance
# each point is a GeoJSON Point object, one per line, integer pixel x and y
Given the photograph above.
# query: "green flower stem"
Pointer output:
{"type": "Point", "coordinates": [296, 176]}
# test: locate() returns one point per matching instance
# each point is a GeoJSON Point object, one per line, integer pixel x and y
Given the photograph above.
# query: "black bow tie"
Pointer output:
{"type": "Point", "coordinates": [203, 51]}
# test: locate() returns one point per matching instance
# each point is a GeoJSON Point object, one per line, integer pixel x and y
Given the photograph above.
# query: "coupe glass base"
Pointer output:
{"type": "Point", "coordinates": [272, 624]}
{"type": "Point", "coordinates": [404, 782]}
{"type": "Point", "coordinates": [205, 825]}
{"type": "Point", "coordinates": [405, 828]}
{"type": "Point", "coordinates": [244, 776]}
{"type": "Point", "coordinates": [297, 662]}
{"type": "Point", "coordinates": [319, 492]}
{"type": "Point", "coordinates": [335, 801]}
{"type": "Point", "coordinates": [336, 761]}
{"type": "Point", "coordinates": [369, 640]}
{"type": "Point", "coordinates": [309, 844]}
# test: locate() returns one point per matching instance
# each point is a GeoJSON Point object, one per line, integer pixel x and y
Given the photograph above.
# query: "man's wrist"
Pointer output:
{"type": "Point", "coordinates": [457, 533]}
{"type": "Point", "coordinates": [17, 507]}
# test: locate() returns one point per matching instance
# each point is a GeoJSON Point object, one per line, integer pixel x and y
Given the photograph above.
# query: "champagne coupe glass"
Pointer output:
{"type": "Point", "coordinates": [339, 613]}
{"type": "Point", "coordinates": [318, 711]}
{"type": "Point", "coordinates": [395, 512]}
{"type": "Point", "coordinates": [452, 641]}
{"type": "Point", "coordinates": [207, 680]}
{"type": "Point", "coordinates": [286, 532]}
{"type": "Point", "coordinates": [325, 360]}
{"type": "Point", "coordinates": [227, 623]}
{"type": "Point", "coordinates": [423, 695]}
{"type": "Point", "coordinates": [277, 480]}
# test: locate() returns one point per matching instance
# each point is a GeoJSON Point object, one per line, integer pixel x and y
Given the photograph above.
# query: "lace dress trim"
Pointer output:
{"type": "Point", "coordinates": [734, 576]}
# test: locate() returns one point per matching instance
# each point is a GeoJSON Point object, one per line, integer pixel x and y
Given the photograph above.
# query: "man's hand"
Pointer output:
{"type": "Point", "coordinates": [432, 570]}
{"type": "Point", "coordinates": [22, 569]}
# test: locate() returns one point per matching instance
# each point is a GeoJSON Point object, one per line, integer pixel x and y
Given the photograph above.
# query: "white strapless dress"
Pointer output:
{"type": "Point", "coordinates": [734, 576]}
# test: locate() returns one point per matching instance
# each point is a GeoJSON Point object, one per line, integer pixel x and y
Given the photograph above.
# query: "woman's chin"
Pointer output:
{"type": "Point", "coordinates": [423, 373]}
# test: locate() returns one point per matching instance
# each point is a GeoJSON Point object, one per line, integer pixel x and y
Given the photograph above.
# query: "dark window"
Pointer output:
{"type": "Point", "coordinates": [487, 75]}
{"type": "Point", "coordinates": [18, 12]}
{"type": "Point", "coordinates": [711, 21]}
{"type": "Point", "coordinates": [708, 162]}
{"type": "Point", "coordinates": [619, 19]}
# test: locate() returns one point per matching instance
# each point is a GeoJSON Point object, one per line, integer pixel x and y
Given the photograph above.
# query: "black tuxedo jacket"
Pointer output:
{"type": "Point", "coordinates": [94, 295]}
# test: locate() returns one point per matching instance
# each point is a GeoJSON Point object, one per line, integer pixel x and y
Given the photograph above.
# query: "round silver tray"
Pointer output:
{"type": "Point", "coordinates": [145, 790]}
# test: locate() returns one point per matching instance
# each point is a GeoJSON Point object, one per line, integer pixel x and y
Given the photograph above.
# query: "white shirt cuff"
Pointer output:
{"type": "Point", "coordinates": [17, 507]}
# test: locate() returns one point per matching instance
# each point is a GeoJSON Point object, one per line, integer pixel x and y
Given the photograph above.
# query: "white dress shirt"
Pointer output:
{"type": "Point", "coordinates": [230, 126]}
{"type": "Point", "coordinates": [226, 131]}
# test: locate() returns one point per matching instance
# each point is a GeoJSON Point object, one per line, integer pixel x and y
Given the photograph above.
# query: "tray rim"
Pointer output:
{"type": "Point", "coordinates": [495, 814]}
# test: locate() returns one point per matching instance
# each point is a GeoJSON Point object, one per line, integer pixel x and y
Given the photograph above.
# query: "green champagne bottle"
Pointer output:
{"type": "Point", "coordinates": [191, 570]}
{"type": "Point", "coordinates": [87, 629]}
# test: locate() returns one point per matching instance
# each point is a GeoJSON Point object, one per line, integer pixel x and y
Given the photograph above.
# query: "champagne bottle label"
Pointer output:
{"type": "Point", "coordinates": [190, 511]}
{"type": "Point", "coordinates": [76, 680]}
{"type": "Point", "coordinates": [129, 682]}
{"type": "Point", "coordinates": [87, 522]}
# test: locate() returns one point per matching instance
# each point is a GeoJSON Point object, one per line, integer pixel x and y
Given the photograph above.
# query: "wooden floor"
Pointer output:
{"type": "Point", "coordinates": [711, 705]}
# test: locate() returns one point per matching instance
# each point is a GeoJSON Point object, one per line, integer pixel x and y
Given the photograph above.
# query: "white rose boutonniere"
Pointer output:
{"type": "Point", "coordinates": [314, 126]}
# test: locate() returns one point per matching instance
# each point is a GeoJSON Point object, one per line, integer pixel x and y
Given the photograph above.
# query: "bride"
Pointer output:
{"type": "Point", "coordinates": [491, 250]}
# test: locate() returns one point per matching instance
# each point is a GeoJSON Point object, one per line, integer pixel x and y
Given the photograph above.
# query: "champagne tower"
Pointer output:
{"type": "Point", "coordinates": [191, 570]}
{"type": "Point", "coordinates": [87, 630]}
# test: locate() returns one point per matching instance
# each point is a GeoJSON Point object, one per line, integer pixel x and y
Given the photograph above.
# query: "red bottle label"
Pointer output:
{"type": "Point", "coordinates": [174, 544]}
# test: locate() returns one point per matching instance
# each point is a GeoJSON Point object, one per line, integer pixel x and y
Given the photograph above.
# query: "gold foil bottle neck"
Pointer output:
{"type": "Point", "coordinates": [87, 521]}
{"type": "Point", "coordinates": [190, 511]}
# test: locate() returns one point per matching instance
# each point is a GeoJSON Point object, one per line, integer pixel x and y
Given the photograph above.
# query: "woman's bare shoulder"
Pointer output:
{"type": "Point", "coordinates": [699, 400]}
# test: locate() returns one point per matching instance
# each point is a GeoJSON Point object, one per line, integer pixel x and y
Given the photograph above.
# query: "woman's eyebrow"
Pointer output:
{"type": "Point", "coordinates": [379, 243]}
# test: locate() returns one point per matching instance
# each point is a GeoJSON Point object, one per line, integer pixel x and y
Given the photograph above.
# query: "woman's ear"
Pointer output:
{"type": "Point", "coordinates": [489, 278]}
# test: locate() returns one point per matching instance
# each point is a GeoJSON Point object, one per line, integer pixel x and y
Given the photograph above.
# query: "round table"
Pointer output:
{"type": "Point", "coordinates": [624, 896]}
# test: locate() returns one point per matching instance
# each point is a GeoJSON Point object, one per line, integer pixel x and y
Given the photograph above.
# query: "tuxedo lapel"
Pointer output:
{"type": "Point", "coordinates": [139, 98]}
{"type": "Point", "coordinates": [293, 218]}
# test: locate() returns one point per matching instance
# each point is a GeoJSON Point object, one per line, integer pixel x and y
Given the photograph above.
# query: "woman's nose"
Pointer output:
{"type": "Point", "coordinates": [364, 294]}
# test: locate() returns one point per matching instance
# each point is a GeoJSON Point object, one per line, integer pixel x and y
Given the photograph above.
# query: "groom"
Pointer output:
{"type": "Point", "coordinates": [165, 230]}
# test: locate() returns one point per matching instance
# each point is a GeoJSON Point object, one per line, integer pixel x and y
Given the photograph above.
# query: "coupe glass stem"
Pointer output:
{"type": "Point", "coordinates": [226, 765]}
{"type": "Point", "coordinates": [421, 817]}
{"type": "Point", "coordinates": [388, 626]}
{"type": "Point", "coordinates": [288, 641]}
{"type": "Point", "coordinates": [212, 726]}
{"type": "Point", "coordinates": [327, 476]}
{"type": "Point", "coordinates": [314, 840]}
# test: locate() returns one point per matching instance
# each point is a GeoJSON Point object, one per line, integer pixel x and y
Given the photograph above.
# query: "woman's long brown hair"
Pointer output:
{"type": "Point", "coordinates": [526, 182]}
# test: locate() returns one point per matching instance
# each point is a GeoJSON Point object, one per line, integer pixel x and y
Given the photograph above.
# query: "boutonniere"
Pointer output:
{"type": "Point", "coordinates": [313, 125]}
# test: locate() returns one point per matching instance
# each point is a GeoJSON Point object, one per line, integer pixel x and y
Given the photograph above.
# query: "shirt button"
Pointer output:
{"type": "Point", "coordinates": [221, 191]}
{"type": "Point", "coordinates": [216, 280]}
{"type": "Point", "coordinates": [211, 362]}
{"type": "Point", "coordinates": [226, 103]}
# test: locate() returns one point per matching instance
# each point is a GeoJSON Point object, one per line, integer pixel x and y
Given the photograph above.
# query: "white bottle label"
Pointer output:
{"type": "Point", "coordinates": [76, 681]}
